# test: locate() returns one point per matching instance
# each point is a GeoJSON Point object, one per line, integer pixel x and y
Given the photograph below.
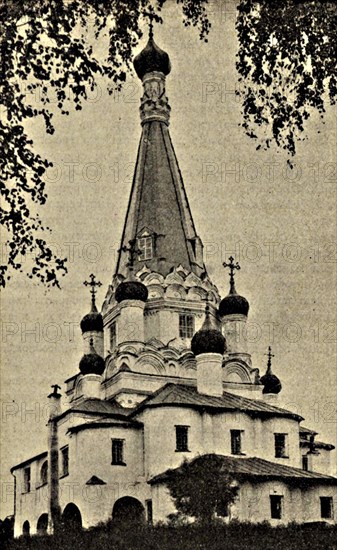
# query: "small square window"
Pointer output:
{"type": "Point", "coordinates": [276, 505]}
{"type": "Point", "coordinates": [236, 442]}
{"type": "Point", "coordinates": [182, 438]}
{"type": "Point", "coordinates": [145, 245]}
{"type": "Point", "coordinates": [113, 336]}
{"type": "Point", "coordinates": [186, 326]}
{"type": "Point", "coordinates": [118, 452]}
{"type": "Point", "coordinates": [281, 445]}
{"type": "Point", "coordinates": [65, 461]}
{"type": "Point", "coordinates": [26, 480]}
{"type": "Point", "coordinates": [326, 507]}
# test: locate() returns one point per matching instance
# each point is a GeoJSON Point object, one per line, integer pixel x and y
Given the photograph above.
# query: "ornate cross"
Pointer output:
{"type": "Point", "coordinates": [231, 266]}
{"type": "Point", "coordinates": [133, 252]}
{"type": "Point", "coordinates": [269, 355]}
{"type": "Point", "coordinates": [93, 284]}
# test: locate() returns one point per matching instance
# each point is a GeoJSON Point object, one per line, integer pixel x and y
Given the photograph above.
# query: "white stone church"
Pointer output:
{"type": "Point", "coordinates": [166, 376]}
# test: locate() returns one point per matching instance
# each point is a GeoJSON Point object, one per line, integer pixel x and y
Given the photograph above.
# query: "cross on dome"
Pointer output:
{"type": "Point", "coordinates": [93, 284]}
{"type": "Point", "coordinates": [269, 355]}
{"type": "Point", "coordinates": [232, 266]}
{"type": "Point", "coordinates": [133, 252]}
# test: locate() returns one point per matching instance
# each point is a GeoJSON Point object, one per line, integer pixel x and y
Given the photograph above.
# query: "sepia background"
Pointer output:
{"type": "Point", "coordinates": [280, 224]}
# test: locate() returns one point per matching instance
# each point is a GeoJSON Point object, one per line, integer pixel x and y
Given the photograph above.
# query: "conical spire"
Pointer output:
{"type": "Point", "coordinates": [158, 216]}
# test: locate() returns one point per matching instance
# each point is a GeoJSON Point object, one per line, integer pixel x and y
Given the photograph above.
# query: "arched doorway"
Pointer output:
{"type": "Point", "coordinates": [128, 510]}
{"type": "Point", "coordinates": [42, 524]}
{"type": "Point", "coordinates": [71, 517]}
{"type": "Point", "coordinates": [26, 529]}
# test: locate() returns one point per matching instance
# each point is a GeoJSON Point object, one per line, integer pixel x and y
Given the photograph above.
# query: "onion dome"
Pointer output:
{"type": "Point", "coordinates": [131, 290]}
{"type": "Point", "coordinates": [208, 339]}
{"type": "Point", "coordinates": [92, 363]}
{"type": "Point", "coordinates": [270, 381]}
{"type": "Point", "coordinates": [93, 321]}
{"type": "Point", "coordinates": [151, 59]}
{"type": "Point", "coordinates": [233, 303]}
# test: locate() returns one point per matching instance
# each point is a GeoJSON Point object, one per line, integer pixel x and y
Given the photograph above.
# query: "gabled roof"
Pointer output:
{"type": "Point", "coordinates": [188, 396]}
{"type": "Point", "coordinates": [257, 469]}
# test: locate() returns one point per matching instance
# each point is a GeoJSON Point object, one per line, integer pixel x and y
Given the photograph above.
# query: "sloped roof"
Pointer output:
{"type": "Point", "coordinates": [257, 469]}
{"type": "Point", "coordinates": [307, 431]}
{"type": "Point", "coordinates": [318, 445]}
{"type": "Point", "coordinates": [104, 423]}
{"type": "Point", "coordinates": [96, 406]}
{"type": "Point", "coordinates": [30, 460]}
{"type": "Point", "coordinates": [188, 396]}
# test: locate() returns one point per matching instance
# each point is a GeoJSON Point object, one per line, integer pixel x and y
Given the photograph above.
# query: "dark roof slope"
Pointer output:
{"type": "Point", "coordinates": [29, 461]}
{"type": "Point", "coordinates": [188, 396]}
{"type": "Point", "coordinates": [93, 406]}
{"type": "Point", "coordinates": [258, 469]}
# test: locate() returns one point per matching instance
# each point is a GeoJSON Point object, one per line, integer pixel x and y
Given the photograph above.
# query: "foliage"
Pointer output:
{"type": "Point", "coordinates": [202, 488]}
{"type": "Point", "coordinates": [47, 51]}
{"type": "Point", "coordinates": [235, 536]}
{"type": "Point", "coordinates": [287, 66]}
{"type": "Point", "coordinates": [55, 50]}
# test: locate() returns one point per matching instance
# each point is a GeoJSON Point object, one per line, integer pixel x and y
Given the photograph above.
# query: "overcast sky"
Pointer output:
{"type": "Point", "coordinates": [279, 224]}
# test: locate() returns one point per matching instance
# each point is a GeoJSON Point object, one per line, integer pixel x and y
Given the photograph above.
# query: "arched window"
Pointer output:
{"type": "Point", "coordinates": [26, 529]}
{"type": "Point", "coordinates": [71, 516]}
{"type": "Point", "coordinates": [128, 510]}
{"type": "Point", "coordinates": [44, 473]}
{"type": "Point", "coordinates": [42, 524]}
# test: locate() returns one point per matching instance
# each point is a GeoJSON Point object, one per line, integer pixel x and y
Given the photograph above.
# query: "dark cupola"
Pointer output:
{"type": "Point", "coordinates": [233, 303]}
{"type": "Point", "coordinates": [151, 59]}
{"type": "Point", "coordinates": [92, 363]}
{"type": "Point", "coordinates": [93, 321]}
{"type": "Point", "coordinates": [131, 289]}
{"type": "Point", "coordinates": [271, 383]}
{"type": "Point", "coordinates": [208, 339]}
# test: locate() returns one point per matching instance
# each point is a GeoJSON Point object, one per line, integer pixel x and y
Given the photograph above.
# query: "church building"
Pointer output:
{"type": "Point", "coordinates": [166, 375]}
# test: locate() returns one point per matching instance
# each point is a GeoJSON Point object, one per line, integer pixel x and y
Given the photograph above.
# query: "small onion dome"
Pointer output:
{"type": "Point", "coordinates": [150, 59]}
{"type": "Point", "coordinates": [131, 290]}
{"type": "Point", "coordinates": [93, 321]}
{"type": "Point", "coordinates": [208, 339]}
{"type": "Point", "coordinates": [92, 363]}
{"type": "Point", "coordinates": [270, 382]}
{"type": "Point", "coordinates": [233, 304]}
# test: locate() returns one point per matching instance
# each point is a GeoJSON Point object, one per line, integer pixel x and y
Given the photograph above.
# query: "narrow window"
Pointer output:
{"type": "Point", "coordinates": [236, 442]}
{"type": "Point", "coordinates": [305, 463]}
{"type": "Point", "coordinates": [149, 511]}
{"type": "Point", "coordinates": [182, 438]}
{"type": "Point", "coordinates": [145, 245]}
{"type": "Point", "coordinates": [326, 507]}
{"type": "Point", "coordinates": [281, 446]}
{"type": "Point", "coordinates": [113, 336]}
{"type": "Point", "coordinates": [118, 452]}
{"type": "Point", "coordinates": [65, 461]}
{"type": "Point", "coordinates": [44, 473]}
{"type": "Point", "coordinates": [186, 326]}
{"type": "Point", "coordinates": [26, 480]}
{"type": "Point", "coordinates": [276, 506]}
